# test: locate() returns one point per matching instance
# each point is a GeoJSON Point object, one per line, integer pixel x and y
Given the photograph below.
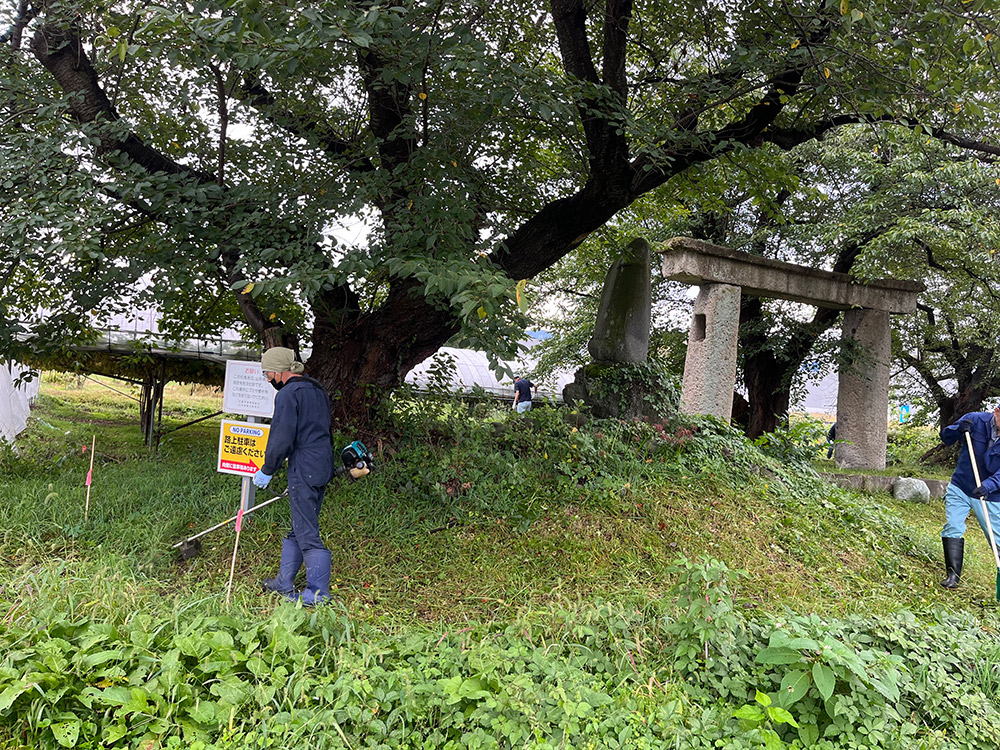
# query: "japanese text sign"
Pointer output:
{"type": "Point", "coordinates": [246, 391]}
{"type": "Point", "coordinates": [241, 447]}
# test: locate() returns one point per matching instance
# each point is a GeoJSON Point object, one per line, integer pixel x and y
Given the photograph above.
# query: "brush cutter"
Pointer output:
{"type": "Point", "coordinates": [986, 513]}
{"type": "Point", "coordinates": [357, 462]}
{"type": "Point", "coordinates": [191, 546]}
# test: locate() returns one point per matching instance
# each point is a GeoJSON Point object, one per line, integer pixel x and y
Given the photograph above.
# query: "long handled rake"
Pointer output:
{"type": "Point", "coordinates": [986, 512]}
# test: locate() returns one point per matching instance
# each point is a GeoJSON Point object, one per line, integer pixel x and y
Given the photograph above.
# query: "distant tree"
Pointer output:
{"type": "Point", "coordinates": [879, 205]}
{"type": "Point", "coordinates": [894, 206]}
{"type": "Point", "coordinates": [201, 157]}
{"type": "Point", "coordinates": [949, 350]}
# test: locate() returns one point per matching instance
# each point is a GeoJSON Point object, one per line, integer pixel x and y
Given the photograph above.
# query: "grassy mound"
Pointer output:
{"type": "Point", "coordinates": [500, 580]}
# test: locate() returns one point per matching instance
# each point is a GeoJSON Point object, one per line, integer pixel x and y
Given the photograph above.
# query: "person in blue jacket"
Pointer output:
{"type": "Point", "coordinates": [963, 493]}
{"type": "Point", "coordinates": [300, 432]}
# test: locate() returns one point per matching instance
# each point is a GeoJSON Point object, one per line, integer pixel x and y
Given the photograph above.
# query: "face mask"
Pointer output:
{"type": "Point", "coordinates": [276, 384]}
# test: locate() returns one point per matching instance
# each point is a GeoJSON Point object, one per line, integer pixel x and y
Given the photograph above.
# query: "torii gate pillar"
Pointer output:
{"type": "Point", "coordinates": [710, 364]}
{"type": "Point", "coordinates": [710, 367]}
{"type": "Point", "coordinates": [863, 390]}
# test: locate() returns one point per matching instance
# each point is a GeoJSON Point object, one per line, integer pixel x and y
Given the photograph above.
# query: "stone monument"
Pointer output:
{"type": "Point", "coordinates": [621, 331]}
{"type": "Point", "coordinates": [620, 340]}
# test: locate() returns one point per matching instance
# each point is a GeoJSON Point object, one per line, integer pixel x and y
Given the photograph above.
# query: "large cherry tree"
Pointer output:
{"type": "Point", "coordinates": [373, 179]}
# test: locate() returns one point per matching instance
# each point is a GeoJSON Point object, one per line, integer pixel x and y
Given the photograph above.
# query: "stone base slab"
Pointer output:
{"type": "Point", "coordinates": [880, 483]}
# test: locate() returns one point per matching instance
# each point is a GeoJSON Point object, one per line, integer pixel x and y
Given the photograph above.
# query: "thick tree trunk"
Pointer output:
{"type": "Point", "coordinates": [768, 388]}
{"type": "Point", "coordinates": [970, 397]}
{"type": "Point", "coordinates": [770, 362]}
{"type": "Point", "coordinates": [359, 361]}
{"type": "Point", "coordinates": [766, 374]}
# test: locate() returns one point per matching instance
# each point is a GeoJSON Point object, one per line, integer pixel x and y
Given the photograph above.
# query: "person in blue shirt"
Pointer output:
{"type": "Point", "coordinates": [522, 394]}
{"type": "Point", "coordinates": [963, 493]}
{"type": "Point", "coordinates": [300, 433]}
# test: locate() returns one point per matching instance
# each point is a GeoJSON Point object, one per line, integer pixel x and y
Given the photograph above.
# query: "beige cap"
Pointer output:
{"type": "Point", "coordinates": [280, 359]}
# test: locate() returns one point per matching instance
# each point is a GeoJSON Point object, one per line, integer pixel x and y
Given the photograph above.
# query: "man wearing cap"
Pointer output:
{"type": "Point", "coordinates": [522, 394]}
{"type": "Point", "coordinates": [963, 494]}
{"type": "Point", "coordinates": [300, 432]}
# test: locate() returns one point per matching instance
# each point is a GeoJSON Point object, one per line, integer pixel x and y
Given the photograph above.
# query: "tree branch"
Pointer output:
{"type": "Point", "coordinates": [223, 96]}
{"type": "Point", "coordinates": [616, 21]}
{"type": "Point", "coordinates": [388, 109]}
{"type": "Point", "coordinates": [61, 52]}
{"type": "Point", "coordinates": [788, 138]}
{"type": "Point", "coordinates": [25, 14]}
{"type": "Point", "coordinates": [601, 113]}
{"type": "Point", "coordinates": [928, 312]}
{"type": "Point", "coordinates": [253, 93]}
{"type": "Point", "coordinates": [929, 251]}
{"type": "Point", "coordinates": [927, 375]}
{"type": "Point", "coordinates": [649, 173]}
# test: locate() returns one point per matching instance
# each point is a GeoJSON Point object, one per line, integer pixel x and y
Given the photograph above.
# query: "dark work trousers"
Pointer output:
{"type": "Point", "coordinates": [305, 501]}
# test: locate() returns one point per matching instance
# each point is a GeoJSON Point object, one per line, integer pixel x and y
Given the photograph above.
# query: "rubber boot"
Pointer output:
{"type": "Point", "coordinates": [954, 551]}
{"type": "Point", "coordinates": [317, 590]}
{"type": "Point", "coordinates": [291, 561]}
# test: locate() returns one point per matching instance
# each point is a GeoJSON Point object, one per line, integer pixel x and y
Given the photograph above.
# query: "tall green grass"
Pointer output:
{"type": "Point", "coordinates": [497, 566]}
{"type": "Point", "coordinates": [474, 511]}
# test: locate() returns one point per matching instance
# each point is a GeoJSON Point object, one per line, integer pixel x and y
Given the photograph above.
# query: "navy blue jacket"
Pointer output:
{"type": "Point", "coordinates": [987, 459]}
{"type": "Point", "coordinates": [300, 432]}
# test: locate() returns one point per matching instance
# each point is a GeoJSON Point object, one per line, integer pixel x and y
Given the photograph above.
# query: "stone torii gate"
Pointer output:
{"type": "Point", "coordinates": [710, 367]}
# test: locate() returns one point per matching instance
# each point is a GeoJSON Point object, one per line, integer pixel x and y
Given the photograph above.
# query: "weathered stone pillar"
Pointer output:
{"type": "Point", "coordinates": [710, 366]}
{"type": "Point", "coordinates": [621, 332]}
{"type": "Point", "coordinates": [863, 391]}
{"type": "Point", "coordinates": [620, 342]}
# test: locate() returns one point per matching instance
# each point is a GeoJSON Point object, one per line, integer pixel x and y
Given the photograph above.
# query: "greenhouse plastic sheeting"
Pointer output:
{"type": "Point", "coordinates": [15, 402]}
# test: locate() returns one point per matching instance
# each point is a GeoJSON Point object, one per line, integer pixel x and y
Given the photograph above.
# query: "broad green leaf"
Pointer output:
{"type": "Point", "coordinates": [522, 298]}
{"type": "Point", "coordinates": [794, 686]}
{"type": "Point", "coordinates": [825, 679]}
{"type": "Point", "coordinates": [101, 657]}
{"type": "Point", "coordinates": [66, 732]}
{"type": "Point", "coordinates": [10, 694]}
{"type": "Point", "coordinates": [803, 644]}
{"type": "Point", "coordinates": [114, 732]}
{"type": "Point", "coordinates": [808, 734]}
{"type": "Point", "coordinates": [752, 714]}
{"type": "Point", "coordinates": [778, 655]}
{"type": "Point", "coordinates": [204, 712]}
{"type": "Point", "coordinates": [780, 716]}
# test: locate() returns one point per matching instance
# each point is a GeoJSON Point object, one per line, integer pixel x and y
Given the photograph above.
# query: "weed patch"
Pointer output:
{"type": "Point", "coordinates": [534, 581]}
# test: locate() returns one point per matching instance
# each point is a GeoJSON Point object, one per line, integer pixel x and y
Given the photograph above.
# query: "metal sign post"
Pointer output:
{"type": "Point", "coordinates": [248, 492]}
